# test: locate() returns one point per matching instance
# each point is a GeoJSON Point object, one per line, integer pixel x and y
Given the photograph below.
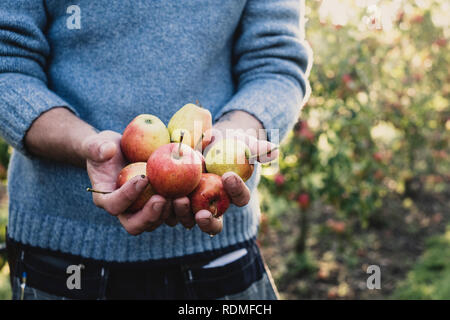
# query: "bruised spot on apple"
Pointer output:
{"type": "Point", "coordinates": [174, 170]}
{"type": "Point", "coordinates": [142, 137]}
{"type": "Point", "coordinates": [229, 155]}
{"type": "Point", "coordinates": [210, 195]}
{"type": "Point", "coordinates": [129, 172]}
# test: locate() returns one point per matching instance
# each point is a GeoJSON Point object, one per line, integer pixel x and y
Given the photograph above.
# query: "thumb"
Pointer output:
{"type": "Point", "coordinates": [98, 149]}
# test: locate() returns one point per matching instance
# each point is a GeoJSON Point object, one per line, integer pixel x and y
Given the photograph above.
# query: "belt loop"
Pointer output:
{"type": "Point", "coordinates": [104, 274]}
{"type": "Point", "coordinates": [187, 273]}
{"type": "Point", "coordinates": [188, 282]}
{"type": "Point", "coordinates": [255, 247]}
{"type": "Point", "coordinates": [19, 265]}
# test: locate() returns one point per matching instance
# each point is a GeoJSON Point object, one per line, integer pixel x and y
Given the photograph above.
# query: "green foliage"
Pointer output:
{"type": "Point", "coordinates": [5, 290]}
{"type": "Point", "coordinates": [430, 278]}
{"type": "Point", "coordinates": [5, 153]}
{"type": "Point", "coordinates": [378, 118]}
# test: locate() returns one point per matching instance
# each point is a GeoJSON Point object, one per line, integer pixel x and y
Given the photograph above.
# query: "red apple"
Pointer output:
{"type": "Point", "coordinates": [303, 201]}
{"type": "Point", "coordinates": [174, 170]}
{"type": "Point", "coordinates": [129, 172]}
{"type": "Point", "coordinates": [210, 195]}
{"type": "Point", "coordinates": [347, 78]}
{"type": "Point", "coordinates": [142, 136]}
{"type": "Point", "coordinates": [279, 179]}
{"type": "Point", "coordinates": [378, 156]}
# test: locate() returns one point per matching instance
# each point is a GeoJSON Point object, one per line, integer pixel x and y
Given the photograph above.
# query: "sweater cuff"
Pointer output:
{"type": "Point", "coordinates": [22, 102]}
{"type": "Point", "coordinates": [275, 101]}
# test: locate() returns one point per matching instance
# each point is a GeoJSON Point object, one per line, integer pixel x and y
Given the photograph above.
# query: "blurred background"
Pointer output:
{"type": "Point", "coordinates": [364, 176]}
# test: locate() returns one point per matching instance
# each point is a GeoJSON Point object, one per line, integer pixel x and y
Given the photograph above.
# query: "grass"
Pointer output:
{"type": "Point", "coordinates": [430, 277]}
{"type": "Point", "coordinates": [5, 288]}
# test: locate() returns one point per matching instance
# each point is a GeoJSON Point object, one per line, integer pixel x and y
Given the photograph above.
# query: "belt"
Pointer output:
{"type": "Point", "coordinates": [181, 278]}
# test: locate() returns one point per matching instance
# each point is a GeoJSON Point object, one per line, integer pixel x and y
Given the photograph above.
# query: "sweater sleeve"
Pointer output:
{"type": "Point", "coordinates": [271, 64]}
{"type": "Point", "coordinates": [24, 51]}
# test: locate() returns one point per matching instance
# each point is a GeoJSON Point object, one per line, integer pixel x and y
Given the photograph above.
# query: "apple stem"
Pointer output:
{"type": "Point", "coordinates": [96, 191]}
{"type": "Point", "coordinates": [263, 154]}
{"type": "Point", "coordinates": [179, 145]}
{"type": "Point", "coordinates": [199, 141]}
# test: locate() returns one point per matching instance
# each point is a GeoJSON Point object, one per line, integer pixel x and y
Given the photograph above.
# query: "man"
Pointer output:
{"type": "Point", "coordinates": [73, 75]}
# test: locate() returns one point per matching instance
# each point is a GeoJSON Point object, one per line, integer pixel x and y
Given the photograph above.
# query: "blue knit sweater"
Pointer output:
{"type": "Point", "coordinates": [109, 61]}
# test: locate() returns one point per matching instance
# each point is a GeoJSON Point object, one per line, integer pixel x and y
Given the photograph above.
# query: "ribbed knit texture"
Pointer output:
{"type": "Point", "coordinates": [128, 58]}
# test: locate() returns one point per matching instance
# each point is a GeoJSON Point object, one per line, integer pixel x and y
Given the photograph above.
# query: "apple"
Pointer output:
{"type": "Point", "coordinates": [129, 172]}
{"type": "Point", "coordinates": [174, 170]}
{"type": "Point", "coordinates": [194, 122]}
{"type": "Point", "coordinates": [279, 179]}
{"type": "Point", "coordinates": [210, 195]}
{"type": "Point", "coordinates": [229, 155]}
{"type": "Point", "coordinates": [303, 201]}
{"type": "Point", "coordinates": [142, 136]}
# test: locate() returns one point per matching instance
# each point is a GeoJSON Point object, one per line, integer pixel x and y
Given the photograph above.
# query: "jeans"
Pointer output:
{"type": "Point", "coordinates": [247, 278]}
{"type": "Point", "coordinates": [259, 290]}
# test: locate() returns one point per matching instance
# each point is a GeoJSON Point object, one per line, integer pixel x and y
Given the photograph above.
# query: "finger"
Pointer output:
{"type": "Point", "coordinates": [183, 212]}
{"type": "Point", "coordinates": [207, 223]}
{"type": "Point", "coordinates": [236, 189]}
{"type": "Point", "coordinates": [262, 150]}
{"type": "Point", "coordinates": [119, 200]}
{"type": "Point", "coordinates": [267, 151]}
{"type": "Point", "coordinates": [98, 149]}
{"type": "Point", "coordinates": [146, 218]}
{"type": "Point", "coordinates": [154, 226]}
{"type": "Point", "coordinates": [171, 220]}
{"type": "Point", "coordinates": [167, 210]}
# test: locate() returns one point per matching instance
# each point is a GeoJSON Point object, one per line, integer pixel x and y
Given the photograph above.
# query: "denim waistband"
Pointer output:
{"type": "Point", "coordinates": [182, 278]}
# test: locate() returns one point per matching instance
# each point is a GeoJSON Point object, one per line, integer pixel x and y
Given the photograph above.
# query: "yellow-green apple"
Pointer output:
{"type": "Point", "coordinates": [130, 171]}
{"type": "Point", "coordinates": [174, 170]}
{"type": "Point", "coordinates": [194, 122]}
{"type": "Point", "coordinates": [142, 136]}
{"type": "Point", "coordinates": [210, 195]}
{"type": "Point", "coordinates": [229, 155]}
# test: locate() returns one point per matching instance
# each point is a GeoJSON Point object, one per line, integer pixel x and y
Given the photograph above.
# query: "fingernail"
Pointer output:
{"type": "Point", "coordinates": [103, 148]}
{"type": "Point", "coordinates": [205, 221]}
{"type": "Point", "coordinates": [158, 206]}
{"type": "Point", "coordinates": [232, 181]}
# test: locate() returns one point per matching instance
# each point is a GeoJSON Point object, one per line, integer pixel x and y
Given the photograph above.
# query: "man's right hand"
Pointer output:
{"type": "Point", "coordinates": [104, 160]}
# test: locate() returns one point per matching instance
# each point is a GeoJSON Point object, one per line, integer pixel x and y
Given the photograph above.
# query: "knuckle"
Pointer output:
{"type": "Point", "coordinates": [241, 201]}
{"type": "Point", "coordinates": [134, 231]}
{"type": "Point", "coordinates": [129, 194]}
{"type": "Point", "coordinates": [236, 192]}
{"type": "Point", "coordinates": [183, 210]}
{"type": "Point", "coordinates": [114, 211]}
{"type": "Point", "coordinates": [153, 218]}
